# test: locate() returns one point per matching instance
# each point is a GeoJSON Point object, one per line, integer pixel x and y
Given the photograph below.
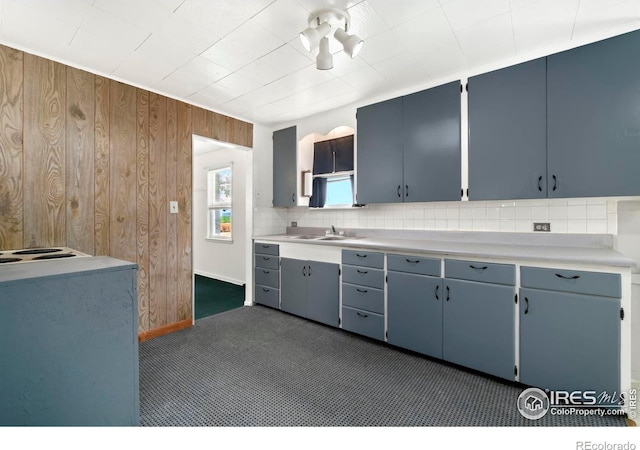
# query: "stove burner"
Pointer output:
{"type": "Point", "coordinates": [9, 260]}
{"type": "Point", "coordinates": [36, 251]}
{"type": "Point", "coordinates": [55, 256]}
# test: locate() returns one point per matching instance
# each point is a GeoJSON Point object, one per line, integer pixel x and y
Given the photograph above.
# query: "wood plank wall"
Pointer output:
{"type": "Point", "coordinates": [91, 163]}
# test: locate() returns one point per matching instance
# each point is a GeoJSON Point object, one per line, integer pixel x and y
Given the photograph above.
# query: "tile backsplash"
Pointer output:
{"type": "Point", "coordinates": [589, 215]}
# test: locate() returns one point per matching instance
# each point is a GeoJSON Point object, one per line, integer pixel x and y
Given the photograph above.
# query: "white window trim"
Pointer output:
{"type": "Point", "coordinates": [214, 206]}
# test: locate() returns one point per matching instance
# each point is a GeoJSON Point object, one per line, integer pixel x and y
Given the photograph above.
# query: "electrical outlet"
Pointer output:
{"type": "Point", "coordinates": [173, 207]}
{"type": "Point", "coordinates": [541, 226]}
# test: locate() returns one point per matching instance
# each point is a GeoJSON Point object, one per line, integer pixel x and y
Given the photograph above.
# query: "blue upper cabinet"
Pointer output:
{"type": "Point", "coordinates": [431, 144]}
{"type": "Point", "coordinates": [379, 144]}
{"type": "Point", "coordinates": [594, 119]}
{"type": "Point", "coordinates": [409, 148]}
{"type": "Point", "coordinates": [508, 133]}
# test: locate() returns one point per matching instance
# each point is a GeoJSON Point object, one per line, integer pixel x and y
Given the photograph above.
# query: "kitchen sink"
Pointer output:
{"type": "Point", "coordinates": [335, 238]}
{"type": "Point", "coordinates": [307, 236]}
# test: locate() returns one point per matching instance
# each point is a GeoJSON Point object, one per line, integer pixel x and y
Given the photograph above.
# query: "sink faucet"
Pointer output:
{"type": "Point", "coordinates": [333, 229]}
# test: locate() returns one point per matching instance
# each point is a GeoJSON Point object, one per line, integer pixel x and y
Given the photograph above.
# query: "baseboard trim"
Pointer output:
{"type": "Point", "coordinates": [219, 277]}
{"type": "Point", "coordinates": [161, 331]}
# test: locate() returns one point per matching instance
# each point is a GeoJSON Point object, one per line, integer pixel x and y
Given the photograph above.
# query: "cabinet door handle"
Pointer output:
{"type": "Point", "coordinates": [364, 291]}
{"type": "Point", "coordinates": [399, 194]}
{"type": "Point", "coordinates": [362, 315]}
{"type": "Point", "coordinates": [362, 272]}
{"type": "Point", "coordinates": [309, 271]}
{"type": "Point", "coordinates": [361, 256]}
{"type": "Point", "coordinates": [265, 246]}
{"type": "Point", "coordinates": [265, 290]}
{"type": "Point", "coordinates": [540, 183]}
{"type": "Point", "coordinates": [293, 197]}
{"type": "Point", "coordinates": [266, 271]}
{"type": "Point", "coordinates": [477, 268]}
{"type": "Point", "coordinates": [447, 293]}
{"type": "Point", "coordinates": [412, 261]}
{"type": "Point", "coordinates": [555, 183]}
{"type": "Point", "coordinates": [526, 309]}
{"type": "Point", "coordinates": [266, 258]}
{"type": "Point", "coordinates": [575, 277]}
{"type": "Point", "coordinates": [406, 190]}
{"type": "Point", "coordinates": [304, 271]}
{"type": "Point", "coordinates": [437, 289]}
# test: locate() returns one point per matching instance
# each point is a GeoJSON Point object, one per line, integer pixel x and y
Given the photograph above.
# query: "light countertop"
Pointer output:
{"type": "Point", "coordinates": [569, 248]}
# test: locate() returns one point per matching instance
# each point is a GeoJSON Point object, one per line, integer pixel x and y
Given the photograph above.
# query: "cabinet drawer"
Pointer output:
{"type": "Point", "coordinates": [266, 249]}
{"type": "Point", "coordinates": [267, 277]}
{"type": "Point", "coordinates": [363, 322]}
{"type": "Point", "coordinates": [480, 271]}
{"type": "Point", "coordinates": [363, 258]}
{"type": "Point", "coordinates": [580, 282]}
{"type": "Point", "coordinates": [414, 264]}
{"type": "Point", "coordinates": [367, 298]}
{"type": "Point", "coordinates": [267, 296]}
{"type": "Point", "coordinates": [267, 261]}
{"type": "Point", "coordinates": [363, 276]}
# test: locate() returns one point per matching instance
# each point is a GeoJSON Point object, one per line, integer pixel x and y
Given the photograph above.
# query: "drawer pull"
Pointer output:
{"type": "Point", "coordinates": [361, 256]}
{"type": "Point", "coordinates": [266, 271]}
{"type": "Point", "coordinates": [362, 272]}
{"type": "Point", "coordinates": [265, 246]}
{"type": "Point", "coordinates": [477, 268]}
{"type": "Point", "coordinates": [266, 290]}
{"type": "Point", "coordinates": [575, 277]}
{"type": "Point", "coordinates": [447, 293]}
{"type": "Point", "coordinates": [304, 271]}
{"type": "Point", "coordinates": [540, 183]}
{"type": "Point", "coordinates": [266, 258]}
{"type": "Point", "coordinates": [412, 261]}
{"type": "Point", "coordinates": [437, 289]}
{"type": "Point", "coordinates": [526, 309]}
{"type": "Point", "coordinates": [362, 315]}
{"type": "Point", "coordinates": [364, 291]}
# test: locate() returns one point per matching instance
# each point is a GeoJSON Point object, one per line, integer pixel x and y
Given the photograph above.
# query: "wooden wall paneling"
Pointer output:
{"type": "Point", "coordinates": [102, 189]}
{"type": "Point", "coordinates": [200, 122]}
{"type": "Point", "coordinates": [242, 133]}
{"type": "Point", "coordinates": [123, 181]}
{"type": "Point", "coordinates": [11, 76]}
{"type": "Point", "coordinates": [216, 126]}
{"type": "Point", "coordinates": [80, 110]}
{"type": "Point", "coordinates": [142, 206]}
{"type": "Point", "coordinates": [44, 152]}
{"type": "Point", "coordinates": [172, 223]}
{"type": "Point", "coordinates": [157, 211]}
{"type": "Point", "coordinates": [183, 183]}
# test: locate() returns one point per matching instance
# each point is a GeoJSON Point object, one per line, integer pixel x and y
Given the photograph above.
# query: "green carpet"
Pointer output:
{"type": "Point", "coordinates": [215, 296]}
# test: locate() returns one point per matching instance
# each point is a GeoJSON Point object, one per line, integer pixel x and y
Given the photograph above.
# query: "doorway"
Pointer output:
{"type": "Point", "coordinates": [221, 225]}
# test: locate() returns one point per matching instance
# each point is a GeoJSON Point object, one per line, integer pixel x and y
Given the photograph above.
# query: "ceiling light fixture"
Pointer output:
{"type": "Point", "coordinates": [320, 25]}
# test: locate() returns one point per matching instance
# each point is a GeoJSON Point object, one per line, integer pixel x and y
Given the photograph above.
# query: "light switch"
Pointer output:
{"type": "Point", "coordinates": [173, 207]}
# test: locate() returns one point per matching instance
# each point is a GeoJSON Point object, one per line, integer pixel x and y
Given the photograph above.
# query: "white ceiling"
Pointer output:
{"type": "Point", "coordinates": [243, 57]}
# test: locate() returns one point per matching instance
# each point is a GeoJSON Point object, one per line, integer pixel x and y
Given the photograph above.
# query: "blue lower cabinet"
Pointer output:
{"type": "Point", "coordinates": [570, 342]}
{"type": "Point", "coordinates": [267, 296]}
{"type": "Point", "coordinates": [414, 313]}
{"type": "Point", "coordinates": [363, 322]}
{"type": "Point", "coordinates": [479, 326]}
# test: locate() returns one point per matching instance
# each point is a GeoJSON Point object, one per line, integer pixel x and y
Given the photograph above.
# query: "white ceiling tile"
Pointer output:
{"type": "Point", "coordinates": [380, 47]}
{"type": "Point", "coordinates": [143, 71]}
{"type": "Point", "coordinates": [192, 77]}
{"type": "Point", "coordinates": [286, 59]}
{"type": "Point", "coordinates": [465, 13]}
{"type": "Point", "coordinates": [160, 47]}
{"type": "Point", "coordinates": [253, 39]}
{"type": "Point", "coordinates": [96, 52]}
{"type": "Point", "coordinates": [543, 23]}
{"type": "Point", "coordinates": [212, 95]}
{"type": "Point", "coordinates": [72, 14]}
{"type": "Point", "coordinates": [488, 40]}
{"type": "Point", "coordinates": [187, 33]}
{"type": "Point", "coordinates": [314, 5]}
{"type": "Point", "coordinates": [260, 72]}
{"type": "Point", "coordinates": [427, 32]}
{"type": "Point", "coordinates": [122, 33]}
{"type": "Point", "coordinates": [402, 70]}
{"type": "Point", "coordinates": [144, 14]}
{"type": "Point", "coordinates": [297, 45]}
{"type": "Point", "coordinates": [170, 4]}
{"type": "Point", "coordinates": [304, 78]}
{"type": "Point", "coordinates": [593, 13]}
{"type": "Point", "coordinates": [284, 18]}
{"type": "Point", "coordinates": [400, 11]}
{"type": "Point", "coordinates": [442, 61]}
{"type": "Point", "coordinates": [365, 21]}
{"type": "Point", "coordinates": [238, 84]}
{"type": "Point", "coordinates": [238, 105]}
{"type": "Point", "coordinates": [227, 55]}
{"type": "Point", "coordinates": [221, 17]}
{"type": "Point", "coordinates": [344, 64]}
{"type": "Point", "coordinates": [366, 81]}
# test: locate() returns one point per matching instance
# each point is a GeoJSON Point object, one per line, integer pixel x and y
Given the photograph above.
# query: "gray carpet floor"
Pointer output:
{"type": "Point", "coordinates": [255, 366]}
